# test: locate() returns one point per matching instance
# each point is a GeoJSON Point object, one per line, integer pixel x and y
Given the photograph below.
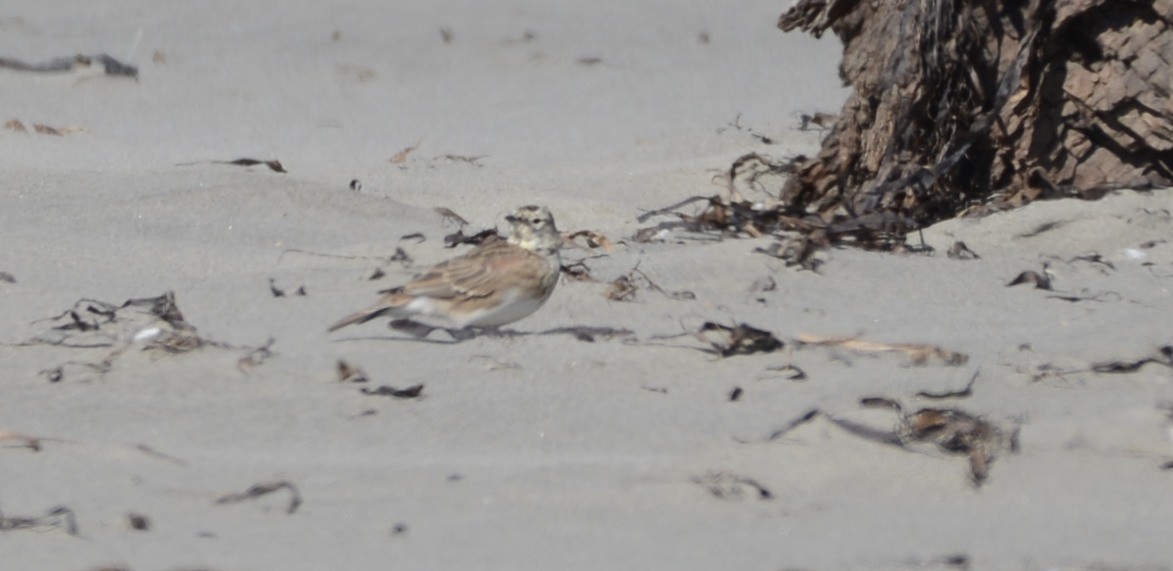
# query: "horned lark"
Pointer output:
{"type": "Point", "coordinates": [497, 283]}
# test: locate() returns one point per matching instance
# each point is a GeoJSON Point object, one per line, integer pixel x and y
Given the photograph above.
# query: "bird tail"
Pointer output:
{"type": "Point", "coordinates": [361, 317]}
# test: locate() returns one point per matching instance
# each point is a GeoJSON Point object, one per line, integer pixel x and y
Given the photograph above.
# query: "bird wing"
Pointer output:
{"type": "Point", "coordinates": [489, 269]}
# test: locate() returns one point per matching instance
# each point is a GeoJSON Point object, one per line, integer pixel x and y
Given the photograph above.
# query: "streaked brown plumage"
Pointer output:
{"type": "Point", "coordinates": [492, 285]}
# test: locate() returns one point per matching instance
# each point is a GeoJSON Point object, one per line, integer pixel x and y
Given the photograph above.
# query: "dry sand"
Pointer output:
{"type": "Point", "coordinates": [530, 452]}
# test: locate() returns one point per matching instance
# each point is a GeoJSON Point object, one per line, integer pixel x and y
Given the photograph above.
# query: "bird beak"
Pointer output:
{"type": "Point", "coordinates": [512, 219]}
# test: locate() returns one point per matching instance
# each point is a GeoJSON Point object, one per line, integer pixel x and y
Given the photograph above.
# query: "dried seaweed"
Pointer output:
{"type": "Point", "coordinates": [793, 424]}
{"type": "Point", "coordinates": [733, 487]}
{"type": "Point", "coordinates": [733, 215]}
{"type": "Point", "coordinates": [740, 339]}
{"type": "Point", "coordinates": [412, 392]}
{"type": "Point", "coordinates": [1162, 356]}
{"type": "Point", "coordinates": [964, 392]}
{"type": "Point", "coordinates": [263, 489]}
{"type": "Point", "coordinates": [625, 287]}
{"type": "Point", "coordinates": [59, 517]}
{"type": "Point", "coordinates": [459, 238]}
{"type": "Point", "coordinates": [951, 430]}
{"type": "Point", "coordinates": [152, 324]}
{"type": "Point", "coordinates": [110, 65]}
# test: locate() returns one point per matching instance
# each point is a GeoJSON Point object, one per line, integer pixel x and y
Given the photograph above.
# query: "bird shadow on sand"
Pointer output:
{"type": "Point", "coordinates": [418, 333]}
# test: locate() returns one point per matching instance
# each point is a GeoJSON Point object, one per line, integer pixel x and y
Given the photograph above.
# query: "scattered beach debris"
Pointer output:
{"type": "Point", "coordinates": [355, 185]}
{"type": "Point", "coordinates": [735, 394]}
{"type": "Point", "coordinates": [593, 239]}
{"type": "Point", "coordinates": [138, 522]}
{"type": "Point", "coordinates": [733, 215]}
{"type": "Point", "coordinates": [256, 357]}
{"type": "Point", "coordinates": [964, 392]}
{"type": "Point", "coordinates": [401, 157]}
{"type": "Point", "coordinates": [446, 36]}
{"type": "Point", "coordinates": [732, 487]}
{"type": "Point", "coordinates": [154, 324]}
{"type": "Point", "coordinates": [951, 430]}
{"type": "Point", "coordinates": [589, 61]}
{"type": "Point", "coordinates": [274, 165]}
{"type": "Point", "coordinates": [625, 287]}
{"type": "Point", "coordinates": [160, 455]}
{"type": "Point", "coordinates": [736, 125]}
{"type": "Point", "coordinates": [347, 373]}
{"type": "Point", "coordinates": [7, 278]}
{"type": "Point", "coordinates": [59, 517]}
{"type": "Point", "coordinates": [494, 364]}
{"type": "Point", "coordinates": [790, 372]}
{"type": "Point", "coordinates": [959, 251]}
{"type": "Point", "coordinates": [263, 489]}
{"type": "Point", "coordinates": [41, 128]}
{"type": "Point", "coordinates": [474, 160]}
{"type": "Point", "coordinates": [1161, 356]}
{"type": "Point", "coordinates": [765, 283]}
{"type": "Point", "coordinates": [278, 292]}
{"type": "Point", "coordinates": [25, 441]}
{"type": "Point", "coordinates": [918, 353]}
{"type": "Point", "coordinates": [448, 215]}
{"type": "Point", "coordinates": [109, 64]}
{"type": "Point", "coordinates": [414, 391]}
{"type": "Point", "coordinates": [817, 121]}
{"type": "Point", "coordinates": [797, 250]}
{"type": "Point", "coordinates": [1039, 280]}
{"type": "Point", "coordinates": [740, 339]}
{"type": "Point", "coordinates": [577, 272]}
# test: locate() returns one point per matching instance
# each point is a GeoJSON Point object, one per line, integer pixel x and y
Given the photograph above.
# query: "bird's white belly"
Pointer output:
{"type": "Point", "coordinates": [512, 308]}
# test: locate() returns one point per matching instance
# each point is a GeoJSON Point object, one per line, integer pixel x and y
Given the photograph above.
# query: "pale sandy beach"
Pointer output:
{"type": "Point", "coordinates": [641, 449]}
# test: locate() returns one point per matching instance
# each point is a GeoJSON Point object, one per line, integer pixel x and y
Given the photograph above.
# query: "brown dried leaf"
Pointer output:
{"type": "Point", "coordinates": [593, 239]}
{"type": "Point", "coordinates": [31, 442]}
{"type": "Point", "coordinates": [15, 125]}
{"type": "Point", "coordinates": [918, 353]}
{"type": "Point", "coordinates": [401, 157]}
{"type": "Point", "coordinates": [350, 374]}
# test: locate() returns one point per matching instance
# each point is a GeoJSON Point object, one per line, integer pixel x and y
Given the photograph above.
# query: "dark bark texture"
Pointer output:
{"type": "Point", "coordinates": [969, 106]}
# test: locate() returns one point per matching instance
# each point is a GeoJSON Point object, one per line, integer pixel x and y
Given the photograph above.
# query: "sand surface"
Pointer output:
{"type": "Point", "coordinates": [529, 451]}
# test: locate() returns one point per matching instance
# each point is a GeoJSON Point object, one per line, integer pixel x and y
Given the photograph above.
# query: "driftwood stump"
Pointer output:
{"type": "Point", "coordinates": [966, 106]}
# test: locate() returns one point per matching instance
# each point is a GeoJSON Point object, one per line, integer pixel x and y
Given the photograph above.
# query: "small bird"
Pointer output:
{"type": "Point", "coordinates": [494, 284]}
